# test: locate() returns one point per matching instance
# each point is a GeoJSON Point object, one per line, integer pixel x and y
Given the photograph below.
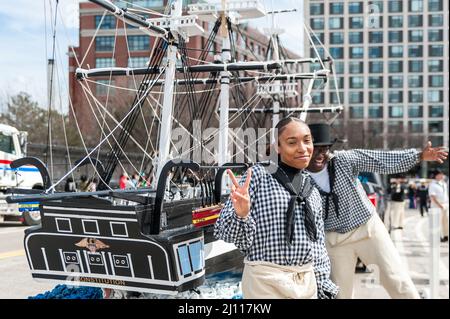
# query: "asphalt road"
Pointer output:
{"type": "Point", "coordinates": [412, 243]}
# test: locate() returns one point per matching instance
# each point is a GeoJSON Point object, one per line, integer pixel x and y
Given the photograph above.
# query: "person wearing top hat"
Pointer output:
{"type": "Point", "coordinates": [353, 229]}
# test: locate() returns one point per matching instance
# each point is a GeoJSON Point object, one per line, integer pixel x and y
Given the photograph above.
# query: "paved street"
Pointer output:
{"type": "Point", "coordinates": [412, 242]}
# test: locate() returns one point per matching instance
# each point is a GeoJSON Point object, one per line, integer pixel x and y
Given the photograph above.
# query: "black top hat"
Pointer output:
{"type": "Point", "coordinates": [321, 134]}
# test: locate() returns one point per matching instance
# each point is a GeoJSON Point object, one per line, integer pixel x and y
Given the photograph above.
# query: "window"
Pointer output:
{"type": "Point", "coordinates": [435, 127]}
{"type": "Point", "coordinates": [6, 144]}
{"type": "Point", "coordinates": [105, 62]}
{"type": "Point", "coordinates": [90, 227]}
{"type": "Point", "coordinates": [377, 6]}
{"type": "Point", "coordinates": [145, 3]}
{"type": "Point", "coordinates": [415, 6]}
{"type": "Point", "coordinates": [320, 51]}
{"type": "Point", "coordinates": [118, 229]}
{"type": "Point", "coordinates": [396, 111]}
{"type": "Point", "coordinates": [355, 37]}
{"type": "Point", "coordinates": [356, 112]}
{"type": "Point", "coordinates": [138, 42]}
{"type": "Point", "coordinates": [356, 97]}
{"type": "Point", "coordinates": [103, 86]}
{"type": "Point", "coordinates": [435, 20]}
{"type": "Point", "coordinates": [355, 7]}
{"type": "Point", "coordinates": [435, 35]}
{"type": "Point", "coordinates": [415, 51]}
{"type": "Point", "coordinates": [337, 53]}
{"type": "Point", "coordinates": [415, 96]}
{"type": "Point", "coordinates": [375, 52]}
{"type": "Point", "coordinates": [395, 6]}
{"type": "Point", "coordinates": [376, 97]}
{"type": "Point", "coordinates": [318, 98]}
{"type": "Point", "coordinates": [356, 82]}
{"type": "Point", "coordinates": [356, 52]}
{"type": "Point", "coordinates": [109, 22]}
{"type": "Point", "coordinates": [395, 96]}
{"type": "Point", "coordinates": [104, 43]}
{"type": "Point", "coordinates": [334, 97]}
{"type": "Point", "coordinates": [376, 37]}
{"type": "Point", "coordinates": [395, 66]}
{"type": "Point", "coordinates": [375, 82]}
{"type": "Point", "coordinates": [316, 9]}
{"type": "Point", "coordinates": [336, 23]}
{"type": "Point", "coordinates": [320, 35]}
{"type": "Point", "coordinates": [415, 126]}
{"type": "Point", "coordinates": [339, 67]}
{"type": "Point", "coordinates": [336, 38]}
{"type": "Point", "coordinates": [415, 21]}
{"type": "Point", "coordinates": [396, 51]}
{"type": "Point", "coordinates": [415, 111]}
{"type": "Point", "coordinates": [355, 67]}
{"type": "Point", "coordinates": [415, 81]}
{"type": "Point", "coordinates": [415, 36]}
{"type": "Point", "coordinates": [396, 81]}
{"type": "Point", "coordinates": [317, 23]}
{"type": "Point", "coordinates": [376, 67]}
{"type": "Point", "coordinates": [395, 21]}
{"type": "Point", "coordinates": [63, 225]}
{"type": "Point", "coordinates": [395, 36]}
{"type": "Point", "coordinates": [337, 8]}
{"type": "Point", "coordinates": [436, 140]}
{"type": "Point", "coordinates": [137, 62]}
{"type": "Point", "coordinates": [435, 66]}
{"type": "Point", "coordinates": [434, 5]}
{"type": "Point", "coordinates": [435, 96]}
{"type": "Point", "coordinates": [415, 66]}
{"type": "Point", "coordinates": [436, 111]}
{"type": "Point", "coordinates": [435, 50]}
{"type": "Point", "coordinates": [356, 22]}
{"type": "Point", "coordinates": [375, 111]}
{"type": "Point", "coordinates": [435, 81]}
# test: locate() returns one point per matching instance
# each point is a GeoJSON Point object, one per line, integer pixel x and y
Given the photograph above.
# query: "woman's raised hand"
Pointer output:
{"type": "Point", "coordinates": [239, 194]}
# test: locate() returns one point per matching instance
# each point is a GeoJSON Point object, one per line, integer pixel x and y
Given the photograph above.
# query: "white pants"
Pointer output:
{"type": "Point", "coordinates": [397, 214]}
{"type": "Point", "coordinates": [264, 280]}
{"type": "Point", "coordinates": [444, 221]}
{"type": "Point", "coordinates": [373, 245]}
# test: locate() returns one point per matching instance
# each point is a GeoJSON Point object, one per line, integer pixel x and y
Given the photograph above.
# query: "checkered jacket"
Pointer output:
{"type": "Point", "coordinates": [261, 236]}
{"type": "Point", "coordinates": [355, 209]}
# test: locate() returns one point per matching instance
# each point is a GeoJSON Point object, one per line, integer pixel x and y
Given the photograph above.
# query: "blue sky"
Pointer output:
{"type": "Point", "coordinates": [26, 42]}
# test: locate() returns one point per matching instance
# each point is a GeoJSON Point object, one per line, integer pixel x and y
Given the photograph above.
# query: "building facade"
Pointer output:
{"type": "Point", "coordinates": [392, 65]}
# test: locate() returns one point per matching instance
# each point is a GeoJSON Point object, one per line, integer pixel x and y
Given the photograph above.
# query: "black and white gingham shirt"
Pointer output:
{"type": "Point", "coordinates": [261, 236]}
{"type": "Point", "coordinates": [355, 209]}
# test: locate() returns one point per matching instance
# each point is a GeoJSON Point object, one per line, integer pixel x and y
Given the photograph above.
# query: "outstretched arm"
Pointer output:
{"type": "Point", "coordinates": [391, 162]}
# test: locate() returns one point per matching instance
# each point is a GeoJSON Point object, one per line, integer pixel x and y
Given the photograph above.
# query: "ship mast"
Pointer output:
{"type": "Point", "coordinates": [167, 110]}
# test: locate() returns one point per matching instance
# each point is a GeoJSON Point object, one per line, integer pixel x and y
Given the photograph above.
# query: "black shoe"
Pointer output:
{"type": "Point", "coordinates": [444, 240]}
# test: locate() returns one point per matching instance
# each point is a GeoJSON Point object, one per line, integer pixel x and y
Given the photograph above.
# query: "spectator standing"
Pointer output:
{"type": "Point", "coordinates": [412, 195]}
{"type": "Point", "coordinates": [422, 195]}
{"type": "Point", "coordinates": [397, 205]}
{"type": "Point", "coordinates": [438, 192]}
{"type": "Point", "coordinates": [70, 185]}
